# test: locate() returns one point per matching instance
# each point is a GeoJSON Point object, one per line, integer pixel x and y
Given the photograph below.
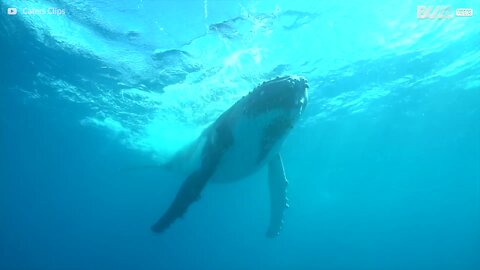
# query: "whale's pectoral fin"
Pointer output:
{"type": "Point", "coordinates": [195, 182]}
{"type": "Point", "coordinates": [188, 193]}
{"type": "Point", "coordinates": [278, 195]}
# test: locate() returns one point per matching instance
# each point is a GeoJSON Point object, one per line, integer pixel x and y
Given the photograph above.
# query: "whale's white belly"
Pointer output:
{"type": "Point", "coordinates": [242, 158]}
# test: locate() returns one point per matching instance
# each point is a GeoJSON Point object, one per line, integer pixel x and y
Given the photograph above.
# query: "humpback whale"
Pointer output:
{"type": "Point", "coordinates": [243, 139]}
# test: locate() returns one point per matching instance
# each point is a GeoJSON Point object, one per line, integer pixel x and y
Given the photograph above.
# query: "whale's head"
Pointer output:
{"type": "Point", "coordinates": [286, 96]}
{"type": "Point", "coordinates": [272, 109]}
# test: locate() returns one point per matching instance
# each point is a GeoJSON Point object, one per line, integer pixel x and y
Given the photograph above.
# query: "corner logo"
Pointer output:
{"type": "Point", "coordinates": [442, 12]}
{"type": "Point", "coordinates": [434, 12]}
{"type": "Point", "coordinates": [12, 11]}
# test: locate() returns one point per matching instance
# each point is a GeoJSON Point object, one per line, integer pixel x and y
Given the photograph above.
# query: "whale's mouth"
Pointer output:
{"type": "Point", "coordinates": [300, 86]}
{"type": "Point", "coordinates": [302, 102]}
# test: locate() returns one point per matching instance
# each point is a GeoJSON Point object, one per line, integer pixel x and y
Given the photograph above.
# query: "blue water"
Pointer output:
{"type": "Point", "coordinates": [384, 166]}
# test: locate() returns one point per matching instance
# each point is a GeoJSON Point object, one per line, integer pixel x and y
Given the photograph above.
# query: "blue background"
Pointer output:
{"type": "Point", "coordinates": [384, 167]}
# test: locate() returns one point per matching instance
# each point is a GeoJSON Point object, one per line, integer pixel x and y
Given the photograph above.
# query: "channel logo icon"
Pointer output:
{"type": "Point", "coordinates": [12, 11]}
